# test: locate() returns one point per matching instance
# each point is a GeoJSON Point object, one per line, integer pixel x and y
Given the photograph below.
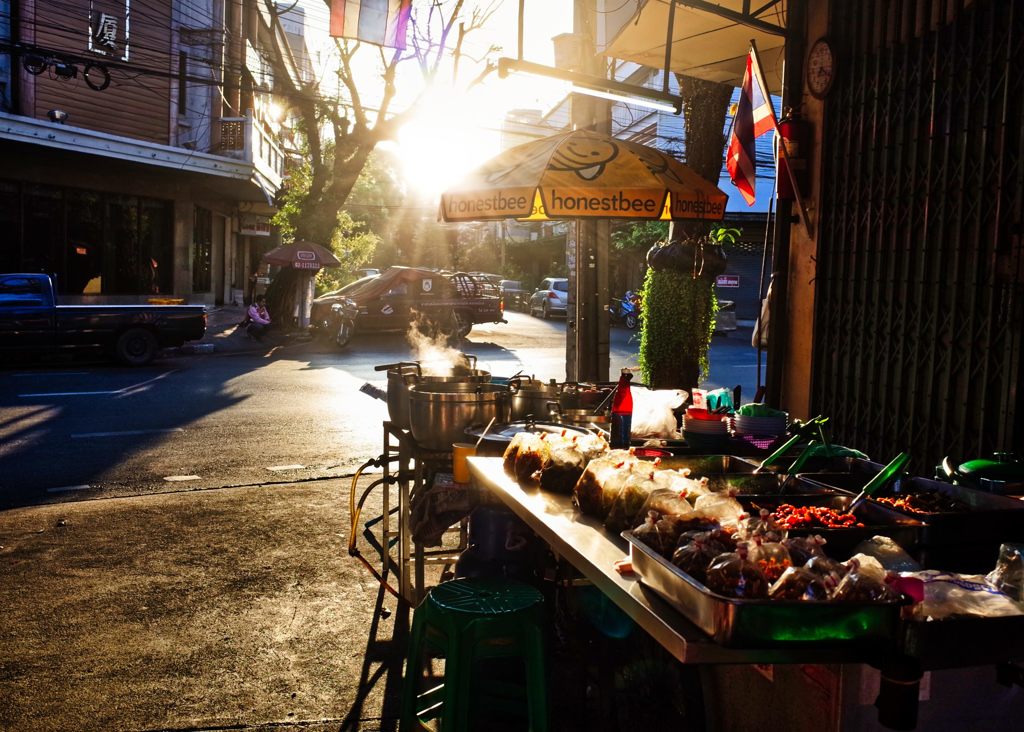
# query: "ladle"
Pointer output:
{"type": "Point", "coordinates": [484, 434]}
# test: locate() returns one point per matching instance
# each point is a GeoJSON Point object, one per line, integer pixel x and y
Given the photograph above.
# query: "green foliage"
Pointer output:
{"type": "Point", "coordinates": [675, 335]}
{"type": "Point", "coordinates": [640, 236]}
{"type": "Point", "coordinates": [354, 246]}
{"type": "Point", "coordinates": [723, 235]}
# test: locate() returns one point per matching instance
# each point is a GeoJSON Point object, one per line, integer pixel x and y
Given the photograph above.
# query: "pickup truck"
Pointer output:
{"type": "Point", "coordinates": [32, 322]}
{"type": "Point", "coordinates": [399, 297]}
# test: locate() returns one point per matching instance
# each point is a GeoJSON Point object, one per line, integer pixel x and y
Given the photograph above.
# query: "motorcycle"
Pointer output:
{"type": "Point", "coordinates": [626, 310]}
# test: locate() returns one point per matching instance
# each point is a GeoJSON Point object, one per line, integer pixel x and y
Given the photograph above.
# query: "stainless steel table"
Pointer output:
{"type": "Point", "coordinates": [584, 543]}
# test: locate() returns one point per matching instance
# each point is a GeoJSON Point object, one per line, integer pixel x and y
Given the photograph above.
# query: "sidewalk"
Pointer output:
{"type": "Point", "coordinates": [230, 608]}
{"type": "Point", "coordinates": [223, 334]}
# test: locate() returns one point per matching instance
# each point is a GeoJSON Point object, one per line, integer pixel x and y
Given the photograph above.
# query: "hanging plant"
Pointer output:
{"type": "Point", "coordinates": [712, 251]}
{"type": "Point", "coordinates": [674, 256]}
{"type": "Point", "coordinates": [679, 319]}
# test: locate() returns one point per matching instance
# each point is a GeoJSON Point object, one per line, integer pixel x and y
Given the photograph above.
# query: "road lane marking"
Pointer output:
{"type": "Point", "coordinates": [123, 433]}
{"type": "Point", "coordinates": [66, 393]}
{"type": "Point", "coordinates": [128, 390]}
{"type": "Point", "coordinates": [67, 488]}
{"type": "Point", "coordinates": [179, 478]}
{"type": "Point", "coordinates": [286, 467]}
{"type": "Point", "coordinates": [53, 373]}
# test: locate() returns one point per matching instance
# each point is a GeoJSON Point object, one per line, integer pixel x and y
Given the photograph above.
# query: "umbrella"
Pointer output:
{"type": "Point", "coordinates": [582, 174]}
{"type": "Point", "coordinates": [302, 255]}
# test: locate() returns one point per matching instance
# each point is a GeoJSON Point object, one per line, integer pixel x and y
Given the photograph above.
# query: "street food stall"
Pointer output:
{"type": "Point", "coordinates": [930, 620]}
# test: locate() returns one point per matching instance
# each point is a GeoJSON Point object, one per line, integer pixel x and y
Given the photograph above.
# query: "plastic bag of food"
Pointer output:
{"type": "Point", "coordinates": [771, 556]}
{"type": "Point", "coordinates": [949, 595]}
{"type": "Point", "coordinates": [723, 506]}
{"type": "Point", "coordinates": [799, 583]}
{"type": "Point", "coordinates": [863, 583]}
{"type": "Point", "coordinates": [562, 468]}
{"type": "Point", "coordinates": [653, 414]}
{"type": "Point", "coordinates": [650, 534]}
{"type": "Point", "coordinates": [802, 548]}
{"type": "Point", "coordinates": [722, 540]}
{"type": "Point", "coordinates": [601, 482]}
{"type": "Point", "coordinates": [677, 480]}
{"type": "Point", "coordinates": [529, 456]}
{"type": "Point", "coordinates": [667, 502]}
{"type": "Point", "coordinates": [629, 502]}
{"type": "Point", "coordinates": [694, 557]}
{"type": "Point", "coordinates": [1008, 576]}
{"type": "Point", "coordinates": [763, 526]}
{"type": "Point", "coordinates": [867, 566]}
{"type": "Point", "coordinates": [826, 567]}
{"type": "Point", "coordinates": [889, 554]}
{"type": "Point", "coordinates": [734, 575]}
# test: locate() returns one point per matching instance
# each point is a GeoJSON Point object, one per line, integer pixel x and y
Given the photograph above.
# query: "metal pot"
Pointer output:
{"type": "Point", "coordinates": [585, 418]}
{"type": "Point", "coordinates": [404, 374]}
{"type": "Point", "coordinates": [439, 413]}
{"type": "Point", "coordinates": [531, 397]}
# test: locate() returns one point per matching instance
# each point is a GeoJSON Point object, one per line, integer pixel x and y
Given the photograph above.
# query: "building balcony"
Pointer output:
{"type": "Point", "coordinates": [245, 139]}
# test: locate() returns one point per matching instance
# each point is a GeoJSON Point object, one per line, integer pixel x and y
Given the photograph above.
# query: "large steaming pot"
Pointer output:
{"type": "Point", "coordinates": [402, 375]}
{"type": "Point", "coordinates": [439, 413]}
{"type": "Point", "coordinates": [532, 398]}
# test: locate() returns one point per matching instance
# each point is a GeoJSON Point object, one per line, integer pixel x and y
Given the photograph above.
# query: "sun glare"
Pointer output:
{"type": "Point", "coordinates": [449, 136]}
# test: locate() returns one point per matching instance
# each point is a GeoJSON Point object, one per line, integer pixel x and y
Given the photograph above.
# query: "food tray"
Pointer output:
{"type": "Point", "coordinates": [762, 623]}
{"type": "Point", "coordinates": [766, 484]}
{"type": "Point", "coordinates": [863, 469]}
{"type": "Point", "coordinates": [877, 520]}
{"type": "Point", "coordinates": [956, 541]}
{"type": "Point", "coordinates": [708, 465]}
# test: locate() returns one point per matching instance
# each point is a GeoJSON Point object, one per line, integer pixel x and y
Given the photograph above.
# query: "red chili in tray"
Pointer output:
{"type": "Point", "coordinates": [812, 517]}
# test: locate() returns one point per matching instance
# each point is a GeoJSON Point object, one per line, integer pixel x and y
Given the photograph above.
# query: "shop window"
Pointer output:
{"type": "Point", "coordinates": [84, 250]}
{"type": "Point", "coordinates": [156, 225]}
{"type": "Point", "coordinates": [10, 225]}
{"type": "Point", "coordinates": [123, 240]}
{"type": "Point", "coordinates": [202, 251]}
{"type": "Point", "coordinates": [43, 232]}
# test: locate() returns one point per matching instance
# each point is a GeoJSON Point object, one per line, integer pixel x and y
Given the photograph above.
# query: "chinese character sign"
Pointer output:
{"type": "Point", "coordinates": [109, 27]}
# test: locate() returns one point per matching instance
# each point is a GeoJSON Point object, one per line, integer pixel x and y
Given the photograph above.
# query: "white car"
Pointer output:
{"type": "Point", "coordinates": [552, 297]}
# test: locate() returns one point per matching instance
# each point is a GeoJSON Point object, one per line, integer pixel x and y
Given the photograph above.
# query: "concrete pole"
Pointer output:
{"type": "Point", "coordinates": [586, 247]}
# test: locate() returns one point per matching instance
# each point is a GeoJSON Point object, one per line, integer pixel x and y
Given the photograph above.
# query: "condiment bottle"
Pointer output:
{"type": "Point", "coordinates": [622, 412]}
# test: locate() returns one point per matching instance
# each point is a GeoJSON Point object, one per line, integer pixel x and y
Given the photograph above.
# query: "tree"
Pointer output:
{"type": "Point", "coordinates": [339, 134]}
{"type": "Point", "coordinates": [679, 307]}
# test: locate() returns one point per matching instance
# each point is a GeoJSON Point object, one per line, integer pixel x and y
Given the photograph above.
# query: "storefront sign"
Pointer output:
{"type": "Point", "coordinates": [252, 225]}
{"type": "Point", "coordinates": [728, 281]}
{"type": "Point", "coordinates": [109, 28]}
{"type": "Point", "coordinates": [306, 265]}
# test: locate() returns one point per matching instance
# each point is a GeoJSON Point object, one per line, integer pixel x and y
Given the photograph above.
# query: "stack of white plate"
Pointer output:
{"type": "Point", "coordinates": [774, 425]}
{"type": "Point", "coordinates": [710, 427]}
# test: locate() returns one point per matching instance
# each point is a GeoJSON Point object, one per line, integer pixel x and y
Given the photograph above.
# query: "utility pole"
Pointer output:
{"type": "Point", "coordinates": [586, 245]}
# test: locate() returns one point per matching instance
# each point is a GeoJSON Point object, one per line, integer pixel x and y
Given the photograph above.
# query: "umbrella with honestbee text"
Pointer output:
{"type": "Point", "coordinates": [582, 174]}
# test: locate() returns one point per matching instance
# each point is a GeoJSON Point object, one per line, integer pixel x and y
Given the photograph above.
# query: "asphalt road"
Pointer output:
{"type": "Point", "coordinates": [87, 429]}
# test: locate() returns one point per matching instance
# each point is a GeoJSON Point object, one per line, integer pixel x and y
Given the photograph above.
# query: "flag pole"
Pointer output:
{"type": "Point", "coordinates": [804, 219]}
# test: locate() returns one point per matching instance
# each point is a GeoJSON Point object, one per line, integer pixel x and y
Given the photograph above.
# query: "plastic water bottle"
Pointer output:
{"type": "Point", "coordinates": [622, 412]}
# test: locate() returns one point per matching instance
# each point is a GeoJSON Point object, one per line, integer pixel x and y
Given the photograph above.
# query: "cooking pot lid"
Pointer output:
{"type": "Point", "coordinates": [505, 432]}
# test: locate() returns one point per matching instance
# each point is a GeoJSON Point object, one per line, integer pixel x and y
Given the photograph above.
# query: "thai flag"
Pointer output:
{"type": "Point", "coordinates": [382, 22]}
{"type": "Point", "coordinates": [754, 117]}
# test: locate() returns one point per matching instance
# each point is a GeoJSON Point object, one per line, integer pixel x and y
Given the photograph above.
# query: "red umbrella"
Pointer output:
{"type": "Point", "coordinates": [302, 255]}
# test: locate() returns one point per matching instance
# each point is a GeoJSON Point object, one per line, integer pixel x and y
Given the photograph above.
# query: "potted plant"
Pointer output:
{"type": "Point", "coordinates": [679, 307]}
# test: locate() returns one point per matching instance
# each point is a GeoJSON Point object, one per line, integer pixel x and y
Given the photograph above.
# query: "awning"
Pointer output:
{"type": "Point", "coordinates": [709, 40]}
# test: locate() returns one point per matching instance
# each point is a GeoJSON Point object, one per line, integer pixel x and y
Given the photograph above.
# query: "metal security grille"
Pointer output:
{"type": "Point", "coordinates": [919, 292]}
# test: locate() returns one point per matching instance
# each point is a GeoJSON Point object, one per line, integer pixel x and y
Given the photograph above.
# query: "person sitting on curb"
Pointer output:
{"type": "Point", "coordinates": [259, 318]}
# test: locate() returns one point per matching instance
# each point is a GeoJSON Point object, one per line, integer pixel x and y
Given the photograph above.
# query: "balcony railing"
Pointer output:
{"type": "Point", "coordinates": [244, 139]}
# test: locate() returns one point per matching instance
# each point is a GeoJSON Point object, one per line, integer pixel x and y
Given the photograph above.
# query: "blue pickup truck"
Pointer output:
{"type": "Point", "coordinates": [31, 322]}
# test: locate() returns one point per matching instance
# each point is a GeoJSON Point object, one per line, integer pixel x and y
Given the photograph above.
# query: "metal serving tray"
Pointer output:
{"type": "Point", "coordinates": [763, 623]}
{"type": "Point", "coordinates": [878, 521]}
{"type": "Point", "coordinates": [708, 465]}
{"type": "Point", "coordinates": [956, 541]}
{"type": "Point", "coordinates": [766, 484]}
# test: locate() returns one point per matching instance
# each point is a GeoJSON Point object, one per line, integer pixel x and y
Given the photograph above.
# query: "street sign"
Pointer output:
{"type": "Point", "coordinates": [728, 281]}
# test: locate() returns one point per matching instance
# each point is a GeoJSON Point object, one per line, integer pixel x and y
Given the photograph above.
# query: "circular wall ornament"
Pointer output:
{"type": "Point", "coordinates": [821, 68]}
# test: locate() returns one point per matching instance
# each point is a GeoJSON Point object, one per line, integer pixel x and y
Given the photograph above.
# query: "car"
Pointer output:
{"type": "Point", "coordinates": [446, 303]}
{"type": "Point", "coordinates": [366, 272]}
{"type": "Point", "coordinates": [513, 294]}
{"type": "Point", "coordinates": [725, 321]}
{"type": "Point", "coordinates": [552, 297]}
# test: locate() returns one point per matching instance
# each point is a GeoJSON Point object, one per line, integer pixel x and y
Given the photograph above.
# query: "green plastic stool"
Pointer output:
{"type": "Point", "coordinates": [464, 621]}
